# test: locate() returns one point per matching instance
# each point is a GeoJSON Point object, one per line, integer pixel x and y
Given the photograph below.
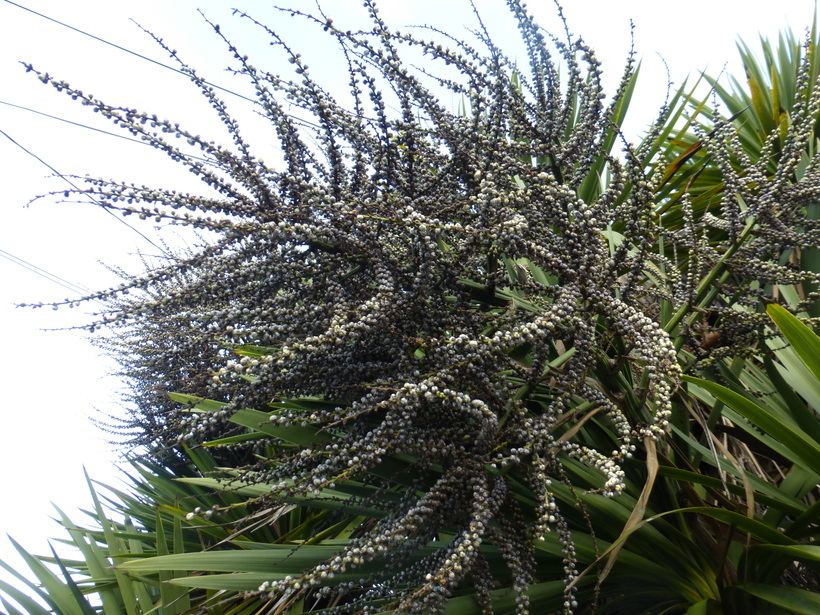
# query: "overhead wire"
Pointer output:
{"type": "Point", "coordinates": [73, 185]}
{"type": "Point", "coordinates": [73, 123]}
{"type": "Point", "coordinates": [121, 48]}
{"type": "Point", "coordinates": [75, 288]}
{"type": "Point", "coordinates": [40, 271]}
{"type": "Point", "coordinates": [151, 60]}
{"type": "Point", "coordinates": [79, 125]}
{"type": "Point", "coordinates": [124, 49]}
{"type": "Point", "coordinates": [95, 129]}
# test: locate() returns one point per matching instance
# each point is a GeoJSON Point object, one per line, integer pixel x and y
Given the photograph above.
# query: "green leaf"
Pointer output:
{"type": "Point", "coordinates": [96, 562]}
{"type": "Point", "coordinates": [804, 450]}
{"type": "Point", "coordinates": [127, 587]}
{"type": "Point", "coordinates": [765, 494]}
{"type": "Point", "coordinates": [197, 403]}
{"type": "Point", "coordinates": [236, 582]}
{"type": "Point", "coordinates": [707, 606]}
{"type": "Point", "coordinates": [795, 600]}
{"type": "Point", "coordinates": [795, 373]}
{"type": "Point", "coordinates": [9, 608]}
{"type": "Point", "coordinates": [83, 604]}
{"type": "Point", "coordinates": [296, 434]}
{"type": "Point", "coordinates": [805, 342]}
{"type": "Point", "coordinates": [287, 557]}
{"type": "Point", "coordinates": [25, 600]}
{"type": "Point", "coordinates": [804, 416]}
{"type": "Point", "coordinates": [56, 591]}
{"type": "Point", "coordinates": [237, 439]}
{"type": "Point", "coordinates": [759, 530]}
{"type": "Point", "coordinates": [805, 552]}
{"type": "Point", "coordinates": [806, 521]}
{"type": "Point", "coordinates": [545, 596]}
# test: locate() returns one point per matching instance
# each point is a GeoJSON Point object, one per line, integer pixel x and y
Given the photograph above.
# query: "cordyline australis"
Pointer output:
{"type": "Point", "coordinates": [444, 287]}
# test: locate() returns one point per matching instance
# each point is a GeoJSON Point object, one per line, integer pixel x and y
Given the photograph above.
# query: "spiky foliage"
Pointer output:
{"type": "Point", "coordinates": [740, 196]}
{"type": "Point", "coordinates": [370, 274]}
{"type": "Point", "coordinates": [441, 301]}
{"type": "Point", "coordinates": [161, 516]}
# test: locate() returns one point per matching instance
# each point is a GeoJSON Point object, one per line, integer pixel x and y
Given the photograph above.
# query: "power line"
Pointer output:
{"type": "Point", "coordinates": [79, 125]}
{"type": "Point", "coordinates": [140, 56]}
{"type": "Point", "coordinates": [100, 130]}
{"type": "Point", "coordinates": [73, 185]}
{"type": "Point", "coordinates": [126, 50]}
{"type": "Point", "coordinates": [152, 61]}
{"type": "Point", "coordinates": [75, 288]}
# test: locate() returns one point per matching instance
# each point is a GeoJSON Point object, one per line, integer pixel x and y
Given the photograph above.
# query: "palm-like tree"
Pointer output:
{"type": "Point", "coordinates": [450, 341]}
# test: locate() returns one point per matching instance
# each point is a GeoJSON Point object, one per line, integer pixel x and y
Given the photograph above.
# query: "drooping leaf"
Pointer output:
{"type": "Point", "coordinates": [793, 599]}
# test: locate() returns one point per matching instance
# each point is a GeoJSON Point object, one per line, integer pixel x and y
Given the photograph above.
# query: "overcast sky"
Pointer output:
{"type": "Point", "coordinates": [53, 383]}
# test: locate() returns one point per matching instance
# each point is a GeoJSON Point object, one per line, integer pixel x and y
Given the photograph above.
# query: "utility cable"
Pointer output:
{"type": "Point", "coordinates": [75, 288]}
{"type": "Point", "coordinates": [73, 185]}
{"type": "Point", "coordinates": [126, 50]}
{"type": "Point", "coordinates": [151, 60]}
{"type": "Point", "coordinates": [100, 130]}
{"type": "Point", "coordinates": [79, 125]}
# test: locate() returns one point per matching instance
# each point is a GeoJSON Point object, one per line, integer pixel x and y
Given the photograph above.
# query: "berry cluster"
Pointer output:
{"type": "Point", "coordinates": [434, 278]}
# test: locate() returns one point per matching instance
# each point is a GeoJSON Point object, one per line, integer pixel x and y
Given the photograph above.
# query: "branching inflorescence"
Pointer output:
{"type": "Point", "coordinates": [393, 270]}
{"type": "Point", "coordinates": [744, 238]}
{"type": "Point", "coordinates": [443, 283]}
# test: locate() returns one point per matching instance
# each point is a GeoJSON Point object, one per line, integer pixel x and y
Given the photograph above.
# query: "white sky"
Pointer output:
{"type": "Point", "coordinates": [53, 381]}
